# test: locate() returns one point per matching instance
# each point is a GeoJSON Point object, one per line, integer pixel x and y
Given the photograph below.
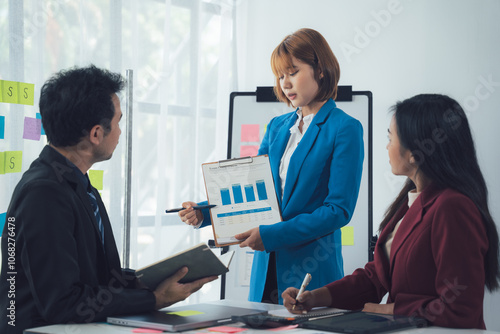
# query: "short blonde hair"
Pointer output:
{"type": "Point", "coordinates": [310, 47]}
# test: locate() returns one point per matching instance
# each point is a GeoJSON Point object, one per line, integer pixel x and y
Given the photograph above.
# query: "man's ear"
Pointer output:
{"type": "Point", "coordinates": [96, 134]}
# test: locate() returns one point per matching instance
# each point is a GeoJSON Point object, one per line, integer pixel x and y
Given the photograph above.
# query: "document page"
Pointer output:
{"type": "Point", "coordinates": [243, 190]}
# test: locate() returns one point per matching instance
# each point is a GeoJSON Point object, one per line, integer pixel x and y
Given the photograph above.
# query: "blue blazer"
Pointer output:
{"type": "Point", "coordinates": [320, 194]}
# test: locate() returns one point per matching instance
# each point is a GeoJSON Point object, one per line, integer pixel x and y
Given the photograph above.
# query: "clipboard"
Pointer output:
{"type": "Point", "coordinates": [243, 191]}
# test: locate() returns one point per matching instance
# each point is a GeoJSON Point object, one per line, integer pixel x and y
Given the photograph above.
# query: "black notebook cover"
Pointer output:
{"type": "Point", "coordinates": [200, 260]}
{"type": "Point", "coordinates": [362, 323]}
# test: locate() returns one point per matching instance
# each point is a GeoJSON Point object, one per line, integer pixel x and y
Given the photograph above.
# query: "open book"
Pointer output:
{"type": "Point", "coordinates": [200, 260]}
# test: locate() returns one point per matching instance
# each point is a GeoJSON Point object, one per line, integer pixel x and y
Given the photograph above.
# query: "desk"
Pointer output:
{"type": "Point", "coordinates": [104, 328]}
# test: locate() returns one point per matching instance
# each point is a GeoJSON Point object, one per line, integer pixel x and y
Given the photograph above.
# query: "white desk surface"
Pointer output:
{"type": "Point", "coordinates": [104, 328]}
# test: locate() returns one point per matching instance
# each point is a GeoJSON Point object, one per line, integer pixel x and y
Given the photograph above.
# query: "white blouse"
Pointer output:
{"type": "Point", "coordinates": [293, 142]}
{"type": "Point", "coordinates": [412, 196]}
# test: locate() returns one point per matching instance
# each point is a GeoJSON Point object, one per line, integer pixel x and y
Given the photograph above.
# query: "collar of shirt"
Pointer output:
{"type": "Point", "coordinates": [307, 121]}
{"type": "Point", "coordinates": [412, 196]}
{"type": "Point", "coordinates": [84, 178]}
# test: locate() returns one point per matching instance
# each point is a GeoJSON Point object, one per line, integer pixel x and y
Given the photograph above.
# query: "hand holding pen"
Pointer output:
{"type": "Point", "coordinates": [190, 213]}
{"type": "Point", "coordinates": [305, 283]}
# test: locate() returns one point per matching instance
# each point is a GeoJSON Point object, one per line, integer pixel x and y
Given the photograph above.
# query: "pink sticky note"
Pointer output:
{"type": "Point", "coordinates": [284, 328]}
{"type": "Point", "coordinates": [226, 329]}
{"type": "Point", "coordinates": [146, 330]}
{"type": "Point", "coordinates": [250, 133]}
{"type": "Point", "coordinates": [249, 150]}
{"type": "Point", "coordinates": [32, 128]}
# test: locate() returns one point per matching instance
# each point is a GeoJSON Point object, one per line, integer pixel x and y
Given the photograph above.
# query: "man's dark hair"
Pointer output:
{"type": "Point", "coordinates": [75, 100]}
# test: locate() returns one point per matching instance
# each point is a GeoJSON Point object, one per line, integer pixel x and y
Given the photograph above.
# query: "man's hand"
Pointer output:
{"type": "Point", "coordinates": [170, 291]}
{"type": "Point", "coordinates": [251, 239]}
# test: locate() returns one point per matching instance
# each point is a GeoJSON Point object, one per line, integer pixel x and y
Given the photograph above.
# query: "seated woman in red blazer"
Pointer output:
{"type": "Point", "coordinates": [438, 244]}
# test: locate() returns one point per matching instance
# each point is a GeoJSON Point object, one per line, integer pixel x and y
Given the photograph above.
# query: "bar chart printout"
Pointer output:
{"type": "Point", "coordinates": [243, 192]}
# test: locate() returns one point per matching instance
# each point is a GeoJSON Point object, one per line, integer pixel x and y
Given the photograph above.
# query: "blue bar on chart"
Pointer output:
{"type": "Point", "coordinates": [226, 198]}
{"type": "Point", "coordinates": [250, 194]}
{"type": "Point", "coordinates": [243, 212]}
{"type": "Point", "coordinates": [238, 196]}
{"type": "Point", "coordinates": [261, 190]}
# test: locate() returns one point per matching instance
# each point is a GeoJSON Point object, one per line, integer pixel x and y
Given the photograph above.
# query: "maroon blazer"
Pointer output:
{"type": "Point", "coordinates": [436, 265]}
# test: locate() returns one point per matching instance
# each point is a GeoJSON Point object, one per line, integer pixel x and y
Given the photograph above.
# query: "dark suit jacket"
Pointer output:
{"type": "Point", "coordinates": [436, 265]}
{"type": "Point", "coordinates": [63, 274]}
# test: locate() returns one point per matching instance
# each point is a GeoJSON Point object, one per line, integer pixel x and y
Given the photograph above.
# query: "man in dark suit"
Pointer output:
{"type": "Point", "coordinates": [60, 263]}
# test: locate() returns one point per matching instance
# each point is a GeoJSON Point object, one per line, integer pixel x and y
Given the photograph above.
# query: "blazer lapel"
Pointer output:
{"type": "Point", "coordinates": [380, 254]}
{"type": "Point", "coordinates": [412, 219]}
{"type": "Point", "coordinates": [278, 149]}
{"type": "Point", "coordinates": [305, 145]}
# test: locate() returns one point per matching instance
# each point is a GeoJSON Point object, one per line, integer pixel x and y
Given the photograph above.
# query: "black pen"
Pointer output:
{"type": "Point", "coordinates": [196, 207]}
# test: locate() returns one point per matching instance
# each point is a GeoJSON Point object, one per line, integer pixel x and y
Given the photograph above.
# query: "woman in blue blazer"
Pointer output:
{"type": "Point", "coordinates": [316, 157]}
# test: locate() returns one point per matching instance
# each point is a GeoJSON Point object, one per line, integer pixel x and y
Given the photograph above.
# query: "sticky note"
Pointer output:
{"type": "Point", "coordinates": [226, 329]}
{"type": "Point", "coordinates": [347, 235]}
{"type": "Point", "coordinates": [26, 93]}
{"type": "Point", "coordinates": [9, 91]}
{"type": "Point", "coordinates": [3, 217]}
{"type": "Point", "coordinates": [2, 162]}
{"type": "Point", "coordinates": [249, 150]}
{"type": "Point", "coordinates": [2, 127]}
{"type": "Point", "coordinates": [96, 178]}
{"type": "Point", "coordinates": [145, 330]}
{"type": "Point", "coordinates": [186, 313]}
{"type": "Point", "coordinates": [13, 161]}
{"type": "Point", "coordinates": [39, 116]}
{"type": "Point", "coordinates": [17, 92]}
{"type": "Point", "coordinates": [250, 133]}
{"type": "Point", "coordinates": [32, 128]}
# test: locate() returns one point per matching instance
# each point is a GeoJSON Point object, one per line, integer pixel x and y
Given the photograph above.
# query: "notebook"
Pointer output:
{"type": "Point", "coordinates": [174, 319]}
{"type": "Point", "coordinates": [358, 322]}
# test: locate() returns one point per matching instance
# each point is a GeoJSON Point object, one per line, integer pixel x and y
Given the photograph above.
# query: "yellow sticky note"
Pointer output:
{"type": "Point", "coordinates": [26, 93]}
{"type": "Point", "coordinates": [186, 313]}
{"type": "Point", "coordinates": [9, 91]}
{"type": "Point", "coordinates": [347, 235]}
{"type": "Point", "coordinates": [96, 178]}
{"type": "Point", "coordinates": [13, 161]}
{"type": "Point", "coordinates": [2, 162]}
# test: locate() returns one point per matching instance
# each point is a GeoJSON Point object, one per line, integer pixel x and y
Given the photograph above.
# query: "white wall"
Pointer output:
{"type": "Point", "coordinates": [396, 49]}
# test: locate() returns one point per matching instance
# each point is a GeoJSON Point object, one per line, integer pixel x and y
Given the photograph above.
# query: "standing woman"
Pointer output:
{"type": "Point", "coordinates": [438, 245]}
{"type": "Point", "coordinates": [316, 157]}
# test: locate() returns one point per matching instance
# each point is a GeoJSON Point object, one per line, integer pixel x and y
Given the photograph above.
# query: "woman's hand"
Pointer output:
{"type": "Point", "coordinates": [379, 308]}
{"type": "Point", "coordinates": [303, 305]}
{"type": "Point", "coordinates": [190, 216]}
{"type": "Point", "coordinates": [251, 239]}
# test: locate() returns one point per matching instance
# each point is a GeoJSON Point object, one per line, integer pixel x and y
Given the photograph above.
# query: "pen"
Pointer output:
{"type": "Point", "coordinates": [196, 207]}
{"type": "Point", "coordinates": [305, 283]}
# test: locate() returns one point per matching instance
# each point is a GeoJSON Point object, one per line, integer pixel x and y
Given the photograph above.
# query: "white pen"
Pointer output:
{"type": "Point", "coordinates": [305, 283]}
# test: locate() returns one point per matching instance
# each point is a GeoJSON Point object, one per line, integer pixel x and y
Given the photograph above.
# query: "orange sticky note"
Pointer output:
{"type": "Point", "coordinates": [226, 329]}
{"type": "Point", "coordinates": [145, 330]}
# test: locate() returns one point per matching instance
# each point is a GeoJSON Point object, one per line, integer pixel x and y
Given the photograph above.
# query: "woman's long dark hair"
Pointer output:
{"type": "Point", "coordinates": [435, 129]}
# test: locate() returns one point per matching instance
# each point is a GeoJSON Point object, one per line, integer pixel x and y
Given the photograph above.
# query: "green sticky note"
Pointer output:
{"type": "Point", "coordinates": [13, 161]}
{"type": "Point", "coordinates": [186, 313]}
{"type": "Point", "coordinates": [96, 178]}
{"type": "Point", "coordinates": [9, 91]}
{"type": "Point", "coordinates": [26, 93]}
{"type": "Point", "coordinates": [347, 235]}
{"type": "Point", "coordinates": [2, 162]}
